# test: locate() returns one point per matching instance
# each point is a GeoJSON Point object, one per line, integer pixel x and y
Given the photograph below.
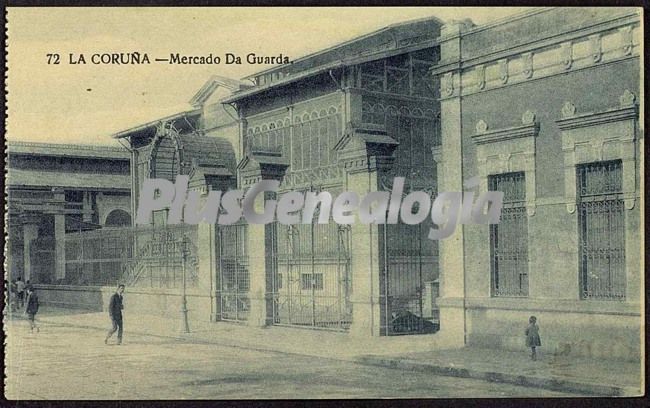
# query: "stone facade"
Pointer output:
{"type": "Point", "coordinates": [562, 95]}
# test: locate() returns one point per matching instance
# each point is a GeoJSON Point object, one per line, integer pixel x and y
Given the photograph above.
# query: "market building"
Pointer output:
{"type": "Point", "coordinates": [54, 190]}
{"type": "Point", "coordinates": [543, 106]}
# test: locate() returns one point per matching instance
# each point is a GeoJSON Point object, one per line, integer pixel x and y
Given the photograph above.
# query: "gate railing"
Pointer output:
{"type": "Point", "coordinates": [311, 275]}
{"type": "Point", "coordinates": [148, 256]}
{"type": "Point", "coordinates": [234, 275]}
{"type": "Point", "coordinates": [409, 278]}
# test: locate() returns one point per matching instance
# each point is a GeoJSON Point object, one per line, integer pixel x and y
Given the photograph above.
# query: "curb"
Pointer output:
{"type": "Point", "coordinates": [552, 383]}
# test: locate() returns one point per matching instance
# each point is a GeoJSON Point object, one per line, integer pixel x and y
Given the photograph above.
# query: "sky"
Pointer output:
{"type": "Point", "coordinates": [77, 103]}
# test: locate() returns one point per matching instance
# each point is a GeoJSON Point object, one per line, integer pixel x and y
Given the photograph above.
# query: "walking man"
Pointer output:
{"type": "Point", "coordinates": [32, 308]}
{"type": "Point", "coordinates": [115, 312]}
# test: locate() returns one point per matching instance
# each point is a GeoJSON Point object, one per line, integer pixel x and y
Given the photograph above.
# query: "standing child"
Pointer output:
{"type": "Point", "coordinates": [532, 337]}
{"type": "Point", "coordinates": [32, 308]}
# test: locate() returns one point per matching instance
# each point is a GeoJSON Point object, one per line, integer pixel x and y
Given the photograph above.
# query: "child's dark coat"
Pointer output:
{"type": "Point", "coordinates": [532, 336]}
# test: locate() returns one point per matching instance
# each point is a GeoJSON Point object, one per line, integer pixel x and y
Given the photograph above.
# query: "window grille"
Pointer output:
{"type": "Point", "coordinates": [602, 231]}
{"type": "Point", "coordinates": [308, 279]}
{"type": "Point", "coordinates": [509, 238]}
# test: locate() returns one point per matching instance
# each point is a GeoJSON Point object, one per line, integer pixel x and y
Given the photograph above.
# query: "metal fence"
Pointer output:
{"type": "Point", "coordinates": [140, 256]}
{"type": "Point", "coordinates": [312, 276]}
{"type": "Point", "coordinates": [234, 275]}
{"type": "Point", "coordinates": [602, 231]}
{"type": "Point", "coordinates": [42, 259]}
{"type": "Point", "coordinates": [409, 277]}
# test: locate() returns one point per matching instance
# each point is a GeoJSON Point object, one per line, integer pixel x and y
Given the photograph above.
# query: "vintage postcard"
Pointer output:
{"type": "Point", "coordinates": [317, 203]}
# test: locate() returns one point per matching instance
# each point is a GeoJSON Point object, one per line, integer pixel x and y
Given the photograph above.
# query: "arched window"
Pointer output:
{"type": "Point", "coordinates": [118, 218]}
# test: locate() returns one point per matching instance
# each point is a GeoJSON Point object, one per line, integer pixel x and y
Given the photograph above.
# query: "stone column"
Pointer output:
{"type": "Point", "coordinates": [30, 233]}
{"type": "Point", "coordinates": [366, 155]}
{"type": "Point", "coordinates": [252, 169]}
{"type": "Point", "coordinates": [206, 258]}
{"type": "Point", "coordinates": [59, 234]}
{"type": "Point", "coordinates": [87, 207]}
{"type": "Point", "coordinates": [449, 157]}
{"type": "Point", "coordinates": [59, 246]}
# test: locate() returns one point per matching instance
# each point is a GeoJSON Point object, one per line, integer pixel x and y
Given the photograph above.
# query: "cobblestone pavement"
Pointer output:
{"type": "Point", "coordinates": [63, 362]}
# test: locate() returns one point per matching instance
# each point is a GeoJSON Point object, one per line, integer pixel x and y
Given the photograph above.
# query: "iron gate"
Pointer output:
{"type": "Point", "coordinates": [312, 277]}
{"type": "Point", "coordinates": [234, 276]}
{"type": "Point", "coordinates": [602, 231]}
{"type": "Point", "coordinates": [410, 283]}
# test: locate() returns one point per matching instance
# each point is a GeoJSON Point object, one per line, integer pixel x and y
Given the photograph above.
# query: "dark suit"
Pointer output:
{"type": "Point", "coordinates": [115, 312]}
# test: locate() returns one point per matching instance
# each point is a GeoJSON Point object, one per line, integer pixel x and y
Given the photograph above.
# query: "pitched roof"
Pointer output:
{"type": "Point", "coordinates": [68, 150]}
{"type": "Point", "coordinates": [390, 40]}
{"type": "Point", "coordinates": [215, 82]}
{"type": "Point", "coordinates": [43, 178]}
{"type": "Point", "coordinates": [205, 150]}
{"type": "Point", "coordinates": [190, 115]}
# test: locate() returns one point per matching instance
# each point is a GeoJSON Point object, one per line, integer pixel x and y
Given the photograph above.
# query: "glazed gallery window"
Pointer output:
{"type": "Point", "coordinates": [402, 74]}
{"type": "Point", "coordinates": [308, 146]}
{"type": "Point", "coordinates": [509, 238]}
{"type": "Point", "coordinates": [602, 230]}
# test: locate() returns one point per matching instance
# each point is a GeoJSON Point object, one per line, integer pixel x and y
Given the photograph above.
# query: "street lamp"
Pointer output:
{"type": "Point", "coordinates": [185, 328]}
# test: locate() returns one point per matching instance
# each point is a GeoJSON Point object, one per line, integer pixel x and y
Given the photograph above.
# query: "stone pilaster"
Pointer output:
{"type": "Point", "coordinates": [59, 238]}
{"type": "Point", "coordinates": [87, 208]}
{"type": "Point", "coordinates": [449, 156]}
{"type": "Point", "coordinates": [252, 169]}
{"type": "Point", "coordinates": [59, 246]}
{"type": "Point", "coordinates": [30, 233]}
{"type": "Point", "coordinates": [366, 155]}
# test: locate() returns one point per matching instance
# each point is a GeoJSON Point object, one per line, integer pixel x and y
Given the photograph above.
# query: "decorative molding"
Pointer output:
{"type": "Point", "coordinates": [626, 39]}
{"type": "Point", "coordinates": [595, 42]}
{"type": "Point", "coordinates": [528, 118]}
{"type": "Point", "coordinates": [447, 83]}
{"type": "Point", "coordinates": [627, 99]}
{"type": "Point", "coordinates": [365, 148]}
{"type": "Point", "coordinates": [595, 119]}
{"type": "Point", "coordinates": [503, 70]}
{"type": "Point", "coordinates": [566, 54]}
{"type": "Point", "coordinates": [436, 152]}
{"type": "Point", "coordinates": [632, 18]}
{"type": "Point", "coordinates": [480, 76]}
{"type": "Point", "coordinates": [507, 150]}
{"type": "Point", "coordinates": [599, 136]}
{"type": "Point", "coordinates": [527, 61]}
{"type": "Point", "coordinates": [568, 110]}
{"type": "Point", "coordinates": [548, 57]}
{"type": "Point", "coordinates": [481, 127]}
{"type": "Point", "coordinates": [499, 135]}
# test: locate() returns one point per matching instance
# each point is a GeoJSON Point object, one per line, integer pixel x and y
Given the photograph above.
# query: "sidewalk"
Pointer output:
{"type": "Point", "coordinates": [569, 374]}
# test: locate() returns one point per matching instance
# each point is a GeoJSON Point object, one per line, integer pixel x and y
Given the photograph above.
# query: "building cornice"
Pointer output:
{"type": "Point", "coordinates": [569, 35]}
{"type": "Point", "coordinates": [597, 118]}
{"type": "Point", "coordinates": [499, 135]}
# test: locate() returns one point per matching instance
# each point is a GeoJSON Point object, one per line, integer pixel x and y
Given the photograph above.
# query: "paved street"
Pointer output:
{"type": "Point", "coordinates": [73, 363]}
